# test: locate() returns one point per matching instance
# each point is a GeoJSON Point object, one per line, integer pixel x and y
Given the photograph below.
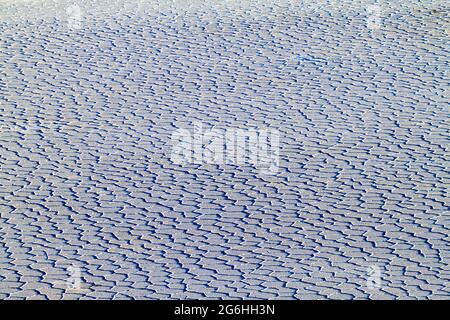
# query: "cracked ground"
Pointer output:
{"type": "Point", "coordinates": [90, 99]}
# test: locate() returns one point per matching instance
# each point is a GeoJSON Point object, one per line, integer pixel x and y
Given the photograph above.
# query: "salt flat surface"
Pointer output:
{"type": "Point", "coordinates": [91, 95]}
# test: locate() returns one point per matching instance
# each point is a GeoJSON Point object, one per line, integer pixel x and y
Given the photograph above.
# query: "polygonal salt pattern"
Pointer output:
{"type": "Point", "coordinates": [91, 96]}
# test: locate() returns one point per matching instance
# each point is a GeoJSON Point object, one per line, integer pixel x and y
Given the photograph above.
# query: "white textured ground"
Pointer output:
{"type": "Point", "coordinates": [88, 107]}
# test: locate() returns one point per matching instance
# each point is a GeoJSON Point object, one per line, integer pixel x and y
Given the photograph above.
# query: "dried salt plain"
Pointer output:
{"type": "Point", "coordinates": [93, 207]}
